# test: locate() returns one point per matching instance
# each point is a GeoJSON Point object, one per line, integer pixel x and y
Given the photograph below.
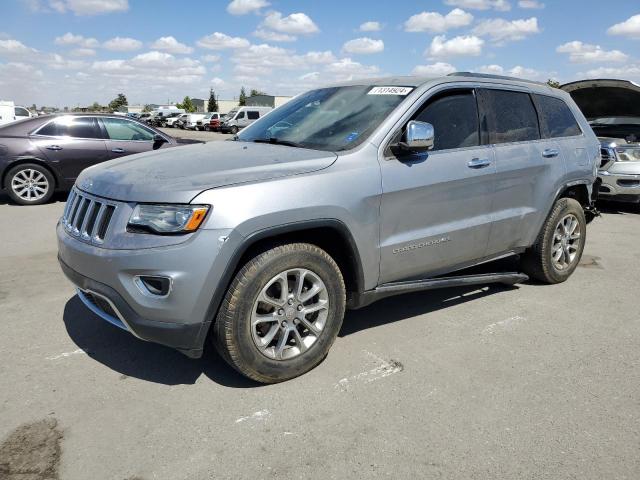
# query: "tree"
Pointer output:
{"type": "Point", "coordinates": [118, 102]}
{"type": "Point", "coordinates": [255, 92]}
{"type": "Point", "coordinates": [553, 83]}
{"type": "Point", "coordinates": [187, 105]}
{"type": "Point", "coordinates": [212, 106]}
{"type": "Point", "coordinates": [242, 99]}
{"type": "Point", "coordinates": [147, 109]}
{"type": "Point", "coordinates": [96, 107]}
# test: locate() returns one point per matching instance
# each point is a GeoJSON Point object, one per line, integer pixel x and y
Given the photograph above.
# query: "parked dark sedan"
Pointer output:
{"type": "Point", "coordinates": [41, 155]}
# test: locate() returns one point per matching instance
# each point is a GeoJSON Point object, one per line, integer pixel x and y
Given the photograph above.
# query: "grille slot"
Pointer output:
{"type": "Point", "coordinates": [87, 217]}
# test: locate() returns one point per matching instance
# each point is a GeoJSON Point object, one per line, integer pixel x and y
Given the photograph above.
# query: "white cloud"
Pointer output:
{"type": "Point", "coordinates": [462, 46]}
{"type": "Point", "coordinates": [500, 5]}
{"type": "Point", "coordinates": [221, 41]}
{"type": "Point", "coordinates": [363, 45]}
{"type": "Point", "coordinates": [628, 72]}
{"type": "Point", "coordinates": [347, 69]}
{"type": "Point", "coordinates": [434, 22]}
{"type": "Point", "coordinates": [517, 71]}
{"type": "Point", "coordinates": [294, 24]}
{"type": "Point", "coordinates": [58, 62]}
{"type": "Point", "coordinates": [242, 7]}
{"type": "Point", "coordinates": [315, 58]}
{"type": "Point", "coordinates": [501, 30]}
{"type": "Point", "coordinates": [272, 36]}
{"type": "Point", "coordinates": [530, 4]}
{"type": "Point", "coordinates": [438, 69]}
{"type": "Point", "coordinates": [585, 53]}
{"type": "Point", "coordinates": [11, 47]}
{"type": "Point", "coordinates": [630, 28]}
{"type": "Point", "coordinates": [171, 45]}
{"type": "Point", "coordinates": [89, 7]}
{"type": "Point", "coordinates": [210, 58]}
{"type": "Point", "coordinates": [78, 40]}
{"type": "Point", "coordinates": [152, 66]}
{"type": "Point", "coordinates": [83, 52]}
{"type": "Point", "coordinates": [370, 27]}
{"type": "Point", "coordinates": [217, 82]}
{"type": "Point", "coordinates": [122, 44]}
{"type": "Point", "coordinates": [264, 59]}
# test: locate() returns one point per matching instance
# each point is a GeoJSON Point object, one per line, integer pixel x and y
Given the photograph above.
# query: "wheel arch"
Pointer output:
{"type": "Point", "coordinates": [577, 191]}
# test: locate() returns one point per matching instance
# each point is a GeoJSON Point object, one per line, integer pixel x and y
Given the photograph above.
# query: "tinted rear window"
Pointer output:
{"type": "Point", "coordinates": [511, 116]}
{"type": "Point", "coordinates": [253, 115]}
{"type": "Point", "coordinates": [556, 118]}
{"type": "Point", "coordinates": [454, 117]}
{"type": "Point", "coordinates": [76, 127]}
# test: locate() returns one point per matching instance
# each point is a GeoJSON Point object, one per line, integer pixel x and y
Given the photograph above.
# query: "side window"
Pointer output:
{"type": "Point", "coordinates": [511, 116]}
{"type": "Point", "coordinates": [556, 119]}
{"type": "Point", "coordinates": [240, 115]}
{"type": "Point", "coordinates": [252, 115]}
{"type": "Point", "coordinates": [454, 116]}
{"type": "Point", "coordinates": [120, 129]}
{"type": "Point", "coordinates": [215, 116]}
{"type": "Point", "coordinates": [21, 112]}
{"type": "Point", "coordinates": [76, 127]}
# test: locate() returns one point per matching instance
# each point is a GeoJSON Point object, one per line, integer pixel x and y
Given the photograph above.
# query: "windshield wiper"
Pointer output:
{"type": "Point", "coordinates": [277, 141]}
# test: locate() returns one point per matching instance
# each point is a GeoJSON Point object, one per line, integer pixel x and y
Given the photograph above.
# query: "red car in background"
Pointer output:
{"type": "Point", "coordinates": [210, 122]}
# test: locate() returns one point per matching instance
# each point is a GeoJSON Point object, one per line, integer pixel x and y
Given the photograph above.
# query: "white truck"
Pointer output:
{"type": "Point", "coordinates": [9, 112]}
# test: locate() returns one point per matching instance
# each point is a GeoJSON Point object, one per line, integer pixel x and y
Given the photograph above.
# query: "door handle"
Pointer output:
{"type": "Point", "coordinates": [117, 150]}
{"type": "Point", "coordinates": [478, 163]}
{"type": "Point", "coordinates": [550, 153]}
{"type": "Point", "coordinates": [54, 147]}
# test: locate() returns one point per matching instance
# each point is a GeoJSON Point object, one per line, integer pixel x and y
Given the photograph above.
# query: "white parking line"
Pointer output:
{"type": "Point", "coordinates": [67, 354]}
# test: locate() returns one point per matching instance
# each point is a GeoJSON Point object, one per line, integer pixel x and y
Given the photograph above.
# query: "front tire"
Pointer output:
{"type": "Point", "coordinates": [560, 243]}
{"type": "Point", "coordinates": [30, 184]}
{"type": "Point", "coordinates": [233, 130]}
{"type": "Point", "coordinates": [282, 313]}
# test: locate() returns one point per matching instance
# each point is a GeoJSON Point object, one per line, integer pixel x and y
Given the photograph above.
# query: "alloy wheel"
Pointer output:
{"type": "Point", "coordinates": [289, 314]}
{"type": "Point", "coordinates": [30, 184]}
{"type": "Point", "coordinates": [566, 242]}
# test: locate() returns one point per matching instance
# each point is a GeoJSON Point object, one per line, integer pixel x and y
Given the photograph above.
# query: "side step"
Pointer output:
{"type": "Point", "coordinates": [396, 288]}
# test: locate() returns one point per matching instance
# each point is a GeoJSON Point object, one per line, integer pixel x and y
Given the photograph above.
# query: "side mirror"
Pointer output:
{"type": "Point", "coordinates": [158, 139]}
{"type": "Point", "coordinates": [418, 137]}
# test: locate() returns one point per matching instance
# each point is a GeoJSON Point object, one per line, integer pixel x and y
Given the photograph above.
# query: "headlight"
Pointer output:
{"type": "Point", "coordinates": [168, 218]}
{"type": "Point", "coordinates": [631, 154]}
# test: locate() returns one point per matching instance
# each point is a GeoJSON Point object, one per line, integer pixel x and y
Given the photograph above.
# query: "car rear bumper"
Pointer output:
{"type": "Point", "coordinates": [619, 186]}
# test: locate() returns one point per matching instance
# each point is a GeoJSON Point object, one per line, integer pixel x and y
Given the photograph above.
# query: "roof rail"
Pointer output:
{"type": "Point", "coordinates": [495, 77]}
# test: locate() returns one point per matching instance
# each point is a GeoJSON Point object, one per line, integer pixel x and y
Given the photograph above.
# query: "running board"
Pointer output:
{"type": "Point", "coordinates": [359, 300]}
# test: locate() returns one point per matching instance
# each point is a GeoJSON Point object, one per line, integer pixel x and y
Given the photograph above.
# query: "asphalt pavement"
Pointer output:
{"type": "Point", "coordinates": [471, 383]}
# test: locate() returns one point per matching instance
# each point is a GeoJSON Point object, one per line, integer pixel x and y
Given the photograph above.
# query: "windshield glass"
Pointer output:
{"type": "Point", "coordinates": [331, 119]}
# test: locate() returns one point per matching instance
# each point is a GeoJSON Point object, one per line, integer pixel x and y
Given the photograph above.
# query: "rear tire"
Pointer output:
{"type": "Point", "coordinates": [233, 130]}
{"type": "Point", "coordinates": [560, 243]}
{"type": "Point", "coordinates": [262, 329]}
{"type": "Point", "coordinates": [29, 184]}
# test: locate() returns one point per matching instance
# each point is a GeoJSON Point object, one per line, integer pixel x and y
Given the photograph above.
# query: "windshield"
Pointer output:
{"type": "Point", "coordinates": [331, 119]}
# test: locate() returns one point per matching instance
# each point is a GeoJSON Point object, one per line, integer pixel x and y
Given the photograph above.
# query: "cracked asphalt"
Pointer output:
{"type": "Point", "coordinates": [529, 382]}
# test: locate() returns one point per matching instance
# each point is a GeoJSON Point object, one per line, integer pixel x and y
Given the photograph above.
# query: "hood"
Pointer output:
{"type": "Point", "coordinates": [605, 98]}
{"type": "Point", "coordinates": [176, 175]}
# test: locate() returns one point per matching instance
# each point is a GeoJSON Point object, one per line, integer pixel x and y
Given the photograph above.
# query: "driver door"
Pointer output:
{"type": "Point", "coordinates": [126, 137]}
{"type": "Point", "coordinates": [435, 210]}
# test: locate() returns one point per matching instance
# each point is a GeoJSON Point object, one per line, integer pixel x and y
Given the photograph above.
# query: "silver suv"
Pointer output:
{"type": "Point", "coordinates": [342, 196]}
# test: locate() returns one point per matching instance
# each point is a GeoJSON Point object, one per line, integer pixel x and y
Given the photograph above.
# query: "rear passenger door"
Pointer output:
{"type": "Point", "coordinates": [435, 210]}
{"type": "Point", "coordinates": [527, 168]}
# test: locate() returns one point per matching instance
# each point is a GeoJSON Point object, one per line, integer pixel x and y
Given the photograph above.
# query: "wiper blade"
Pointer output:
{"type": "Point", "coordinates": [277, 141]}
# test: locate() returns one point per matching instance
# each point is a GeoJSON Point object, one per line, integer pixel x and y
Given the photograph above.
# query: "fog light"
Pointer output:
{"type": "Point", "coordinates": [156, 286]}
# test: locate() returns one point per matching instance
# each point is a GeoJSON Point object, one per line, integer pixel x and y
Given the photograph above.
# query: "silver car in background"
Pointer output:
{"type": "Point", "coordinates": [613, 110]}
{"type": "Point", "coordinates": [344, 195]}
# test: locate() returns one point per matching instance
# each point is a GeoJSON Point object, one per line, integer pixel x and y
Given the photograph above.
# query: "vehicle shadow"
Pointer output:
{"type": "Point", "coordinates": [131, 357]}
{"type": "Point", "coordinates": [618, 208]}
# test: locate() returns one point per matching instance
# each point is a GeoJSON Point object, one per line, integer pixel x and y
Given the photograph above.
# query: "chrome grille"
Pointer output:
{"type": "Point", "coordinates": [87, 217]}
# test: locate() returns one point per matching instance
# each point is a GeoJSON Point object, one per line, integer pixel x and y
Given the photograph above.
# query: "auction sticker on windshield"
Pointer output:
{"type": "Point", "coordinates": [390, 91]}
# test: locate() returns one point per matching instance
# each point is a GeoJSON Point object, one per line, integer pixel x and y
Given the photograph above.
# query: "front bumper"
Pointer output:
{"type": "Point", "coordinates": [619, 186]}
{"type": "Point", "coordinates": [106, 279]}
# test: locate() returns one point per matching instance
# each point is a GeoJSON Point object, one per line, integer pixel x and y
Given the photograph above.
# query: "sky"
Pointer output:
{"type": "Point", "coordinates": [76, 52]}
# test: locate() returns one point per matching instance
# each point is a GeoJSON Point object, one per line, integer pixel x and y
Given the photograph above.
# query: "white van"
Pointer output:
{"type": "Point", "coordinates": [192, 120]}
{"type": "Point", "coordinates": [242, 117]}
{"type": "Point", "coordinates": [9, 112]}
